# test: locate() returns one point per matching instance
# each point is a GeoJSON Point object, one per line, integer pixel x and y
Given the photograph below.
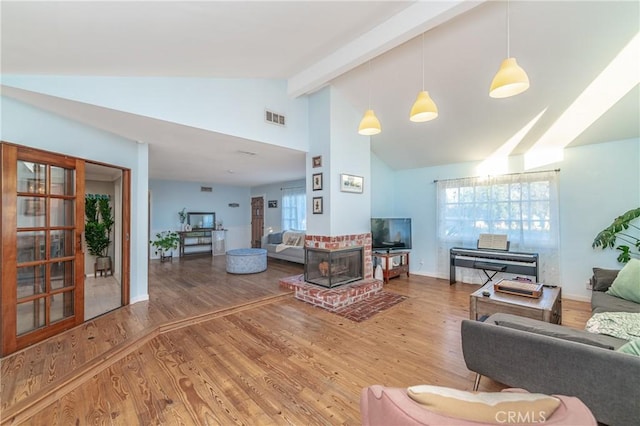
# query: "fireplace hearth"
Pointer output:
{"type": "Point", "coordinates": [332, 268]}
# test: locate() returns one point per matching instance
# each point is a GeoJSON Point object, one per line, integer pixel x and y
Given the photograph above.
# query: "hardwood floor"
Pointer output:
{"type": "Point", "coordinates": [221, 348]}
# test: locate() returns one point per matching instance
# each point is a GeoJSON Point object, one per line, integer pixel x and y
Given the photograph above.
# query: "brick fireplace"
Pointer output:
{"type": "Point", "coordinates": [334, 298]}
{"type": "Point", "coordinates": [332, 268]}
{"type": "Point", "coordinates": [343, 242]}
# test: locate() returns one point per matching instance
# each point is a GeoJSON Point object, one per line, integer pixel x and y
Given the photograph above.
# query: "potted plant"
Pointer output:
{"type": "Point", "coordinates": [624, 229]}
{"type": "Point", "coordinates": [98, 227]}
{"type": "Point", "coordinates": [182, 215]}
{"type": "Point", "coordinates": [165, 243]}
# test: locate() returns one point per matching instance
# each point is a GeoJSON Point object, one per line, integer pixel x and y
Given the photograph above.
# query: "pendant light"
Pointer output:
{"type": "Point", "coordinates": [511, 79]}
{"type": "Point", "coordinates": [424, 109]}
{"type": "Point", "coordinates": [369, 125]}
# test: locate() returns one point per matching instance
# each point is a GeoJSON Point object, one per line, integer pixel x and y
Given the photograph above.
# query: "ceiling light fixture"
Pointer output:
{"type": "Point", "coordinates": [369, 125]}
{"type": "Point", "coordinates": [511, 79]}
{"type": "Point", "coordinates": [424, 109]}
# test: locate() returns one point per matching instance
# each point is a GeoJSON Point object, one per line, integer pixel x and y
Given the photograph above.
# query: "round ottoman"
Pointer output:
{"type": "Point", "coordinates": [246, 261]}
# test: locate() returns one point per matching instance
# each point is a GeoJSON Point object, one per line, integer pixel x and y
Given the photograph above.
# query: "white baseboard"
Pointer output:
{"type": "Point", "coordinates": [140, 298]}
{"type": "Point", "coordinates": [576, 297]}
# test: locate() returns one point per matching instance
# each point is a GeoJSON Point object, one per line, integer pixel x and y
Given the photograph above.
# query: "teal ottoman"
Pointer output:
{"type": "Point", "coordinates": [246, 261]}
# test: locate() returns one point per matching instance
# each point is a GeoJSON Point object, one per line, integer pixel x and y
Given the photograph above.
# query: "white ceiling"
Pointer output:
{"type": "Point", "coordinates": [563, 46]}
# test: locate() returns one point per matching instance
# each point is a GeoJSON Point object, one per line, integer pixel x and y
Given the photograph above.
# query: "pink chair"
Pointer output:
{"type": "Point", "coordinates": [383, 406]}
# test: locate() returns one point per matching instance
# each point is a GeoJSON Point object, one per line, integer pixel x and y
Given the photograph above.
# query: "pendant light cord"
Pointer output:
{"type": "Point", "coordinates": [508, 31]}
{"type": "Point", "coordinates": [370, 81]}
{"type": "Point", "coordinates": [423, 62]}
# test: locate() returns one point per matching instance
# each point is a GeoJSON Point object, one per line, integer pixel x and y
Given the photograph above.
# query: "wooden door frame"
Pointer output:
{"type": "Point", "coordinates": [9, 341]}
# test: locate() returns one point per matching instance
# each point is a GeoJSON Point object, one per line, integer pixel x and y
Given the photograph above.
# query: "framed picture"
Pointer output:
{"type": "Point", "coordinates": [316, 161]}
{"type": "Point", "coordinates": [317, 205]}
{"type": "Point", "coordinates": [317, 181]}
{"type": "Point", "coordinates": [351, 183]}
{"type": "Point", "coordinates": [272, 204]}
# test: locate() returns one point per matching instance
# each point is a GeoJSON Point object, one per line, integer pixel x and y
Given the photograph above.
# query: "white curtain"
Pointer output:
{"type": "Point", "coordinates": [294, 209]}
{"type": "Point", "coordinates": [523, 206]}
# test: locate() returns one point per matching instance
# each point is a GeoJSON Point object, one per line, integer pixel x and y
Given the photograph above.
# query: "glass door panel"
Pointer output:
{"type": "Point", "coordinates": [30, 316]}
{"type": "Point", "coordinates": [61, 306]}
{"type": "Point", "coordinates": [46, 255]}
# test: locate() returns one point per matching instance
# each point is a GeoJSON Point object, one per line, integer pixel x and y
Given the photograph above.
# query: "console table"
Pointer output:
{"type": "Point", "coordinates": [196, 242]}
{"type": "Point", "coordinates": [391, 268]}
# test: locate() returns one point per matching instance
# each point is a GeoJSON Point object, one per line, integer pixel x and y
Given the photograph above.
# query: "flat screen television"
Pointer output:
{"type": "Point", "coordinates": [390, 233]}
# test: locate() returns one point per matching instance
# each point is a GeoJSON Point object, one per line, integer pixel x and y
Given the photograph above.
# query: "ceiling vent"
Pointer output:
{"type": "Point", "coordinates": [274, 118]}
{"type": "Point", "coordinates": [206, 189]}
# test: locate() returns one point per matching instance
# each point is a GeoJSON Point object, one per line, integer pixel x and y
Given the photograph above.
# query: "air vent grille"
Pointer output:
{"type": "Point", "coordinates": [206, 189]}
{"type": "Point", "coordinates": [274, 118]}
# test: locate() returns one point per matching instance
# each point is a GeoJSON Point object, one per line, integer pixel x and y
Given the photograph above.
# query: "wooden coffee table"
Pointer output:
{"type": "Point", "coordinates": [547, 307]}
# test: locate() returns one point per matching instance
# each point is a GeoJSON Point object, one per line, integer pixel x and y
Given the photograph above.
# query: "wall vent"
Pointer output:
{"type": "Point", "coordinates": [206, 189]}
{"type": "Point", "coordinates": [274, 118]}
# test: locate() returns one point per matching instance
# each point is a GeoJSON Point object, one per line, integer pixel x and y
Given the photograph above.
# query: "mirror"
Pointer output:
{"type": "Point", "coordinates": [201, 220]}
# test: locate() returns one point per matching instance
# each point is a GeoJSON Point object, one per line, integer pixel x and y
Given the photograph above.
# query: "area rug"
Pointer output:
{"type": "Point", "coordinates": [367, 308]}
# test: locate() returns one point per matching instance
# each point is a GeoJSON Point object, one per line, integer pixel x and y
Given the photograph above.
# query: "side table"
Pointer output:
{"type": "Point", "coordinates": [547, 307]}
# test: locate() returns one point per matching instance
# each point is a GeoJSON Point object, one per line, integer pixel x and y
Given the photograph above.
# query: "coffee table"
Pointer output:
{"type": "Point", "coordinates": [547, 307]}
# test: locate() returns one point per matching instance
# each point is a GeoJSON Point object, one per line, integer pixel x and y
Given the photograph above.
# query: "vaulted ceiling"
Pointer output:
{"type": "Point", "coordinates": [362, 49]}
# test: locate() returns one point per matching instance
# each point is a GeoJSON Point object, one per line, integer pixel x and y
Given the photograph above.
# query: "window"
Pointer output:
{"type": "Point", "coordinates": [523, 206]}
{"type": "Point", "coordinates": [294, 209]}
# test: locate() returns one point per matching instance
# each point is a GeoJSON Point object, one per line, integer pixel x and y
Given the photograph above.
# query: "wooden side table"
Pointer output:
{"type": "Point", "coordinates": [547, 307]}
{"type": "Point", "coordinates": [389, 270]}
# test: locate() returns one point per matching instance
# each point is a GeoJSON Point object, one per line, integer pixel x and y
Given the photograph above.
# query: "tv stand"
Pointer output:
{"type": "Point", "coordinates": [394, 263]}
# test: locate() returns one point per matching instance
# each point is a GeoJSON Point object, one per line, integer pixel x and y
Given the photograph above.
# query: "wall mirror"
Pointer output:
{"type": "Point", "coordinates": [201, 219]}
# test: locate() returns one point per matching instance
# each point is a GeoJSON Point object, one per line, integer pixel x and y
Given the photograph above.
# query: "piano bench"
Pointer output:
{"type": "Point", "coordinates": [490, 266]}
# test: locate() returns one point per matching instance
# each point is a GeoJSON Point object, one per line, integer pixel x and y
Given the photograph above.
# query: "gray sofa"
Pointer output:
{"type": "Point", "coordinates": [552, 359]}
{"type": "Point", "coordinates": [280, 245]}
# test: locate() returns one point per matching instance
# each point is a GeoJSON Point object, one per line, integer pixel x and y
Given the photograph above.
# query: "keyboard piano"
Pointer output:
{"type": "Point", "coordinates": [494, 261]}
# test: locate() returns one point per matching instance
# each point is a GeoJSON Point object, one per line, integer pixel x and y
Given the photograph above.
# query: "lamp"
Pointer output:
{"type": "Point", "coordinates": [369, 125]}
{"type": "Point", "coordinates": [424, 109]}
{"type": "Point", "coordinates": [511, 79]}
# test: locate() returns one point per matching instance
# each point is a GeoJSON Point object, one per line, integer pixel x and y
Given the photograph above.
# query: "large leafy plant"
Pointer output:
{"type": "Point", "coordinates": [165, 241]}
{"type": "Point", "coordinates": [623, 232]}
{"type": "Point", "coordinates": [97, 229]}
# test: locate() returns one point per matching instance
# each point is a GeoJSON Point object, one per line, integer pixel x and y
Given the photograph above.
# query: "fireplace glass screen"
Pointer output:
{"type": "Point", "coordinates": [331, 268]}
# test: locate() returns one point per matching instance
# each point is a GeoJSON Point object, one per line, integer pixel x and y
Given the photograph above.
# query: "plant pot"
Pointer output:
{"type": "Point", "coordinates": [166, 257]}
{"type": "Point", "coordinates": [103, 264]}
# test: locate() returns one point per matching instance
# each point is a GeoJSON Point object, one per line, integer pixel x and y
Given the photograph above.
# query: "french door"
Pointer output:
{"type": "Point", "coordinates": [42, 261]}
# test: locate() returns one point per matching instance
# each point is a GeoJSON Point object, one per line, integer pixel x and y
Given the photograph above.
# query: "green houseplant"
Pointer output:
{"type": "Point", "coordinates": [99, 222]}
{"type": "Point", "coordinates": [624, 230]}
{"type": "Point", "coordinates": [165, 243]}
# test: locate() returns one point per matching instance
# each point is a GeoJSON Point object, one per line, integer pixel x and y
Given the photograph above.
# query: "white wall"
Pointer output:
{"type": "Point", "coordinates": [273, 216]}
{"type": "Point", "coordinates": [597, 183]}
{"type": "Point", "coordinates": [382, 188]}
{"type": "Point", "coordinates": [350, 213]}
{"type": "Point", "coordinates": [25, 125]}
{"type": "Point", "coordinates": [169, 197]}
{"type": "Point", "coordinates": [230, 106]}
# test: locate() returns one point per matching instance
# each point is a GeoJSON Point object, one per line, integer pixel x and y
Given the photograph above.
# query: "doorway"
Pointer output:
{"type": "Point", "coordinates": [257, 221]}
{"type": "Point", "coordinates": [103, 281]}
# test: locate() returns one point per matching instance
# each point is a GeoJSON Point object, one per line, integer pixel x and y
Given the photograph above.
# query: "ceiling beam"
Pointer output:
{"type": "Point", "coordinates": [411, 22]}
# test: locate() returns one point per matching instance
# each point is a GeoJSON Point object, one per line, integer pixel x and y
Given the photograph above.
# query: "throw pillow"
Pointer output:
{"type": "Point", "coordinates": [631, 348]}
{"type": "Point", "coordinates": [484, 407]}
{"type": "Point", "coordinates": [292, 241]}
{"type": "Point", "coordinates": [627, 283]}
{"type": "Point", "coordinates": [603, 278]}
{"type": "Point", "coordinates": [275, 238]}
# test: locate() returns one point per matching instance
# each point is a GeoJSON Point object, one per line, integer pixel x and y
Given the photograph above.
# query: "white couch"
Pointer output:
{"type": "Point", "coordinates": [285, 245]}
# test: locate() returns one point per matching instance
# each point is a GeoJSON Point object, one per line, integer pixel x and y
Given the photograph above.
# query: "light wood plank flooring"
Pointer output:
{"type": "Point", "coordinates": [263, 358]}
